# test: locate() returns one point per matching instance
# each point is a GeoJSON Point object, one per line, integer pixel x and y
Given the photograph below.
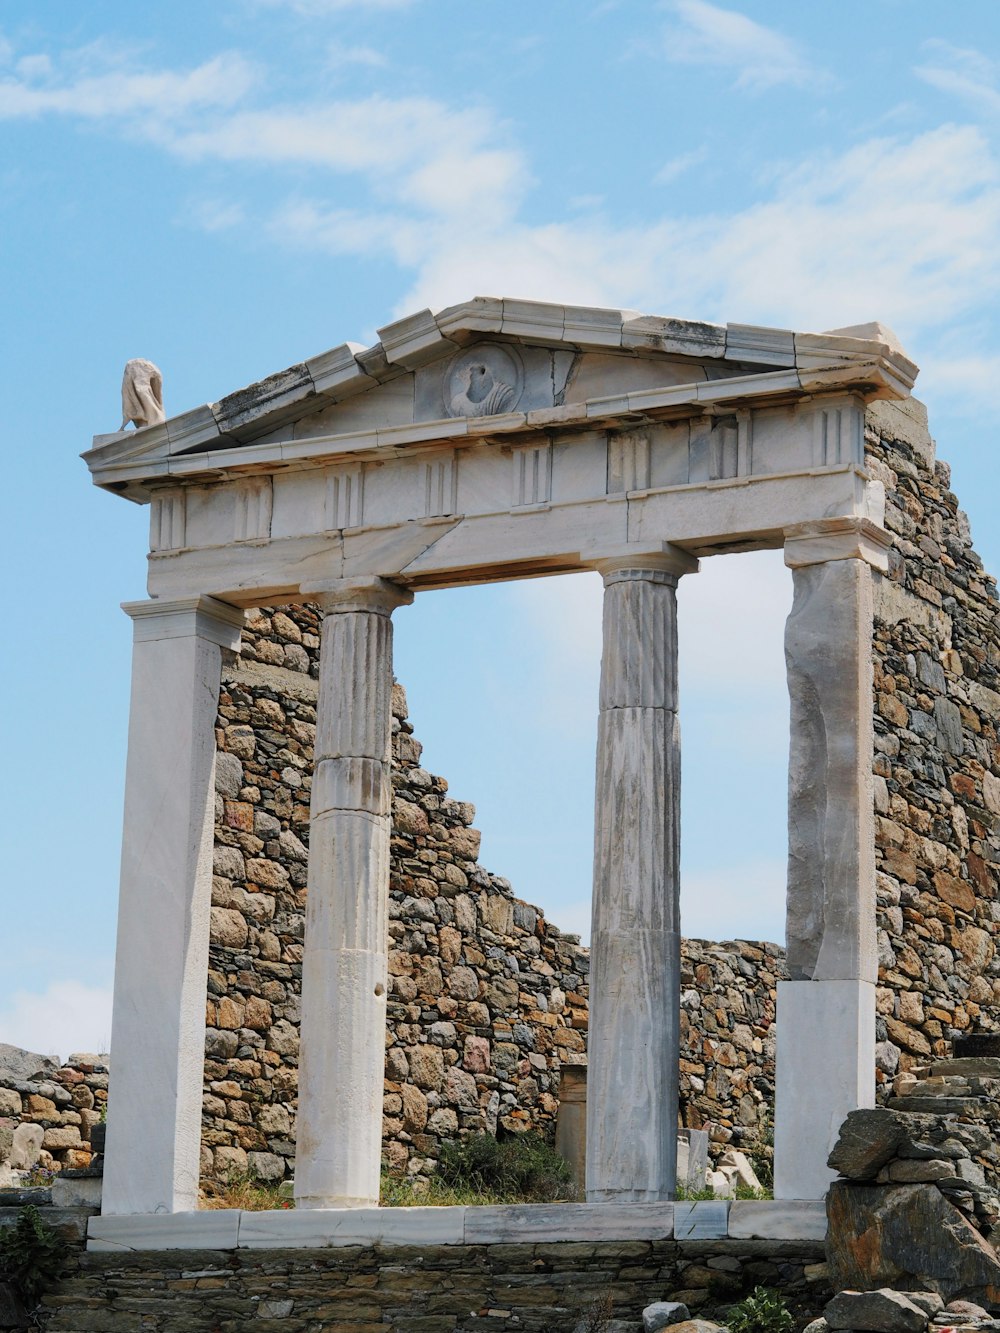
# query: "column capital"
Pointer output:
{"type": "Point", "coordinates": [200, 617]}
{"type": "Point", "coordinates": [366, 593]}
{"type": "Point", "coordinates": [837, 539]}
{"type": "Point", "coordinates": [642, 558]}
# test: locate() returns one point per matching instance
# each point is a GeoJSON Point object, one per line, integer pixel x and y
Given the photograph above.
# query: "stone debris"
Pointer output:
{"type": "Point", "coordinates": [956, 1152]}
{"type": "Point", "coordinates": [882, 1311]}
{"type": "Point", "coordinates": [661, 1314]}
{"type": "Point", "coordinates": [732, 1173]}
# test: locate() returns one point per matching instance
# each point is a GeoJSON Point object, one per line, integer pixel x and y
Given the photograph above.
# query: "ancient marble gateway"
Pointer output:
{"type": "Point", "coordinates": [501, 439]}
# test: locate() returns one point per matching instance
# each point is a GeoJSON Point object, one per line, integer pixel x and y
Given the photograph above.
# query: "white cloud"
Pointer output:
{"type": "Point", "coordinates": [338, 54]}
{"type": "Point", "coordinates": [830, 246]}
{"type": "Point", "coordinates": [677, 166]}
{"type": "Point", "coordinates": [216, 215]}
{"type": "Point", "coordinates": [114, 92]}
{"type": "Point", "coordinates": [66, 1017]}
{"type": "Point", "coordinates": [321, 8]}
{"type": "Point", "coordinates": [442, 186]}
{"type": "Point", "coordinates": [962, 73]}
{"type": "Point", "coordinates": [762, 57]}
{"type": "Point", "coordinates": [420, 152]}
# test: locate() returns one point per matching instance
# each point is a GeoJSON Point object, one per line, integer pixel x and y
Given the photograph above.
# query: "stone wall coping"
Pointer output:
{"type": "Point", "coordinates": [321, 1228]}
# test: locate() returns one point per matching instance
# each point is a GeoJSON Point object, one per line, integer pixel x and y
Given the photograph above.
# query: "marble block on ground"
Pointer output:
{"type": "Point", "coordinates": [702, 1220]}
{"type": "Point", "coordinates": [77, 1192]}
{"type": "Point", "coordinates": [777, 1219]}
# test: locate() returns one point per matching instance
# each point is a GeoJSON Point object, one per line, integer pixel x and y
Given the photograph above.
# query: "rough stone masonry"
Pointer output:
{"type": "Point", "coordinates": [488, 1000]}
{"type": "Point", "coordinates": [937, 766]}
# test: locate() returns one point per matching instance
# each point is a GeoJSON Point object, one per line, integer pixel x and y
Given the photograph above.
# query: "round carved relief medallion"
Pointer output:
{"type": "Point", "coordinates": [483, 381]}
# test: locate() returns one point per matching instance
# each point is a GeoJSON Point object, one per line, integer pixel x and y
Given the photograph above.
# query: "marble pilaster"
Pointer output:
{"type": "Point", "coordinates": [826, 1012]}
{"type": "Point", "coordinates": [635, 947]}
{"type": "Point", "coordinates": [161, 965]}
{"type": "Point", "coordinates": [344, 977]}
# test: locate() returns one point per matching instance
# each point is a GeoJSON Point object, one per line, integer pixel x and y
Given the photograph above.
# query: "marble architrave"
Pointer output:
{"type": "Point", "coordinates": [826, 1012]}
{"type": "Point", "coordinates": [634, 1038]}
{"type": "Point", "coordinates": [344, 965]}
{"type": "Point", "coordinates": [161, 964]}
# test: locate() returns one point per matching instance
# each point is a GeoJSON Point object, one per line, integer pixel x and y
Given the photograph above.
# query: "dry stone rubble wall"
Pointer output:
{"type": "Point", "coordinates": [937, 765]}
{"type": "Point", "coordinates": [487, 999]}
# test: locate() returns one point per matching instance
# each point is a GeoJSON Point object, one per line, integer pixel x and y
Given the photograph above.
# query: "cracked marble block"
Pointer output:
{"type": "Point", "coordinates": [344, 965]}
{"type": "Point", "coordinates": [161, 963]}
{"type": "Point", "coordinates": [635, 950]}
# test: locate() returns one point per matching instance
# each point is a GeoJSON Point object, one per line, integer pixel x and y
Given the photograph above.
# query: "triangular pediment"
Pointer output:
{"type": "Point", "coordinates": [487, 362]}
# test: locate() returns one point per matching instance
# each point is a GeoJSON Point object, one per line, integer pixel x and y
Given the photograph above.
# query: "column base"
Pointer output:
{"type": "Point", "coordinates": [825, 1068]}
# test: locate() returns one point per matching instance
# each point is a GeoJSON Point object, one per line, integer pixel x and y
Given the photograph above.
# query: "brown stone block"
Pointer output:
{"type": "Point", "coordinates": [963, 786]}
{"type": "Point", "coordinates": [40, 1108]}
{"type": "Point", "coordinates": [981, 876]}
{"type": "Point", "coordinates": [908, 1037]}
{"type": "Point", "coordinates": [955, 891]}
{"type": "Point", "coordinates": [900, 864]}
{"type": "Point", "coordinates": [239, 815]}
{"type": "Point", "coordinates": [230, 1014]}
{"type": "Point", "coordinates": [892, 710]}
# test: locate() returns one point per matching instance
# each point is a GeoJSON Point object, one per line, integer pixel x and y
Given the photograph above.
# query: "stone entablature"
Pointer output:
{"type": "Point", "coordinates": [365, 471]}
{"type": "Point", "coordinates": [753, 438]}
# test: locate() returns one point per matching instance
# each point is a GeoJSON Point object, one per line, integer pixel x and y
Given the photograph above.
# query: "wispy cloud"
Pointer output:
{"type": "Point", "coordinates": [213, 215]}
{"type": "Point", "coordinates": [830, 246]}
{"type": "Point", "coordinates": [338, 54]}
{"type": "Point", "coordinates": [760, 57]}
{"type": "Point", "coordinates": [321, 8]}
{"type": "Point", "coordinates": [67, 1016]}
{"type": "Point", "coordinates": [440, 189]}
{"type": "Point", "coordinates": [962, 73]}
{"type": "Point", "coordinates": [109, 90]}
{"type": "Point", "coordinates": [677, 166]}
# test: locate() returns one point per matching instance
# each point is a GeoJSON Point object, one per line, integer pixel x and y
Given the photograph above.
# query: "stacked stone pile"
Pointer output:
{"type": "Point", "coordinates": [916, 1205]}
{"type": "Point", "coordinates": [937, 765]}
{"type": "Point", "coordinates": [888, 1311]}
{"type": "Point", "coordinates": [47, 1110]}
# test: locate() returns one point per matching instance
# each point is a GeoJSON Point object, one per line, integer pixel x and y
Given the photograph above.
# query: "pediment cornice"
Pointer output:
{"type": "Point", "coordinates": [256, 427]}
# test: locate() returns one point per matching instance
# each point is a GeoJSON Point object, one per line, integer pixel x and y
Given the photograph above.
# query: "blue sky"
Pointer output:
{"type": "Point", "coordinates": [229, 188]}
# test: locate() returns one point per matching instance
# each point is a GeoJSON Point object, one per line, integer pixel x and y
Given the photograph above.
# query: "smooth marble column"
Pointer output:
{"type": "Point", "coordinates": [635, 945]}
{"type": "Point", "coordinates": [826, 1011]}
{"type": "Point", "coordinates": [344, 967]}
{"type": "Point", "coordinates": [161, 965]}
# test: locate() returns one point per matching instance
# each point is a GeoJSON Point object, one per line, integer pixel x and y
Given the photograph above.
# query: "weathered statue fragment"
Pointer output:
{"type": "Point", "coordinates": [142, 394]}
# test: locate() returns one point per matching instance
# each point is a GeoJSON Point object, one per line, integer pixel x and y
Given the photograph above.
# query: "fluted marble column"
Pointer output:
{"type": "Point", "coordinates": [826, 1011]}
{"type": "Point", "coordinates": [161, 963]}
{"type": "Point", "coordinates": [635, 944]}
{"type": "Point", "coordinates": [344, 977]}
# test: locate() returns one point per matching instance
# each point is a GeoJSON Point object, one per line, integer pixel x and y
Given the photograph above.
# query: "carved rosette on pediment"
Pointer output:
{"type": "Point", "coordinates": [483, 381]}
